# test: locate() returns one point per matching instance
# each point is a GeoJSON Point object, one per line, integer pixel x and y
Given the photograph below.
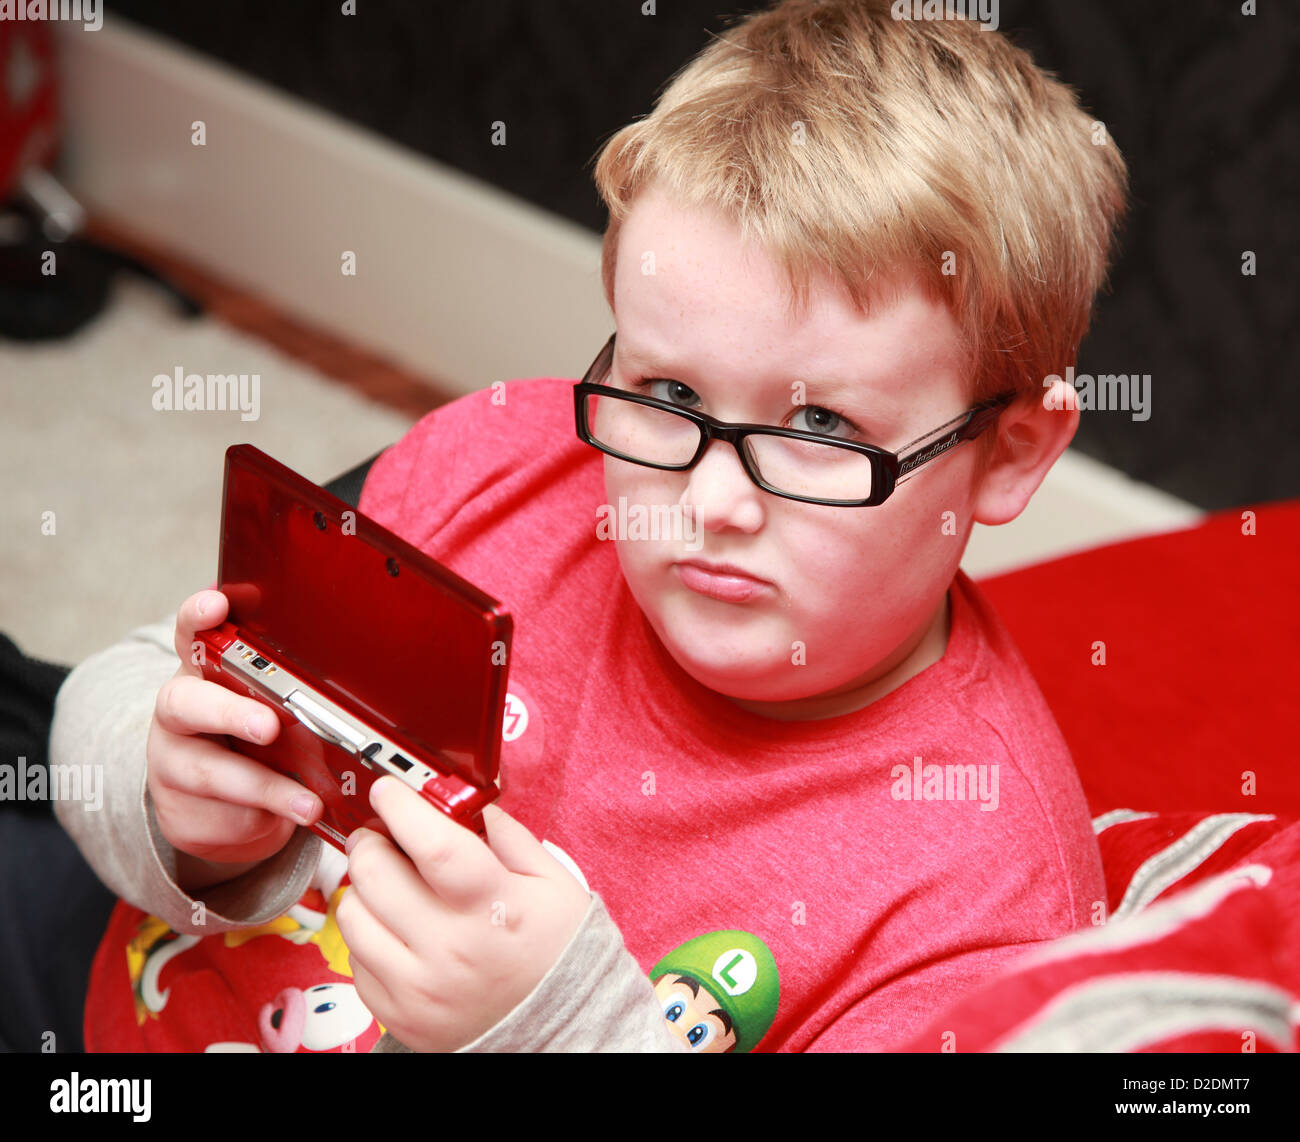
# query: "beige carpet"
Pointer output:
{"type": "Point", "coordinates": [134, 494]}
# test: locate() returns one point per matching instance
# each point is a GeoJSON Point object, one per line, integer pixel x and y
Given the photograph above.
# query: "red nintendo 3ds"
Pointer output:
{"type": "Point", "coordinates": [375, 658]}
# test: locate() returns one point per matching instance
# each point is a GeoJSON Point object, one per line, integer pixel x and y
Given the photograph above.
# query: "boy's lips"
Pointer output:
{"type": "Point", "coordinates": [723, 581]}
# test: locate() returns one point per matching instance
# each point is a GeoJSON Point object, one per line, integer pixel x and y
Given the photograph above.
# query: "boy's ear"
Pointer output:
{"type": "Point", "coordinates": [1031, 434]}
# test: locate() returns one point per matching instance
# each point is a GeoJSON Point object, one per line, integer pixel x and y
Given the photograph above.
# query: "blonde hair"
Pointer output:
{"type": "Point", "coordinates": [845, 141]}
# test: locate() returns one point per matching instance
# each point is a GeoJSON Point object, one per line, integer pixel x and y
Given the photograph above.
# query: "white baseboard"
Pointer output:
{"type": "Point", "coordinates": [456, 280]}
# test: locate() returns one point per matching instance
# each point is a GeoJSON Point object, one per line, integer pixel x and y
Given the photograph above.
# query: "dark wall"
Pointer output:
{"type": "Point", "coordinates": [1195, 94]}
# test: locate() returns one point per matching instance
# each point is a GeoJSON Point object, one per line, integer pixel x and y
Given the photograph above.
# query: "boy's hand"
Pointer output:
{"type": "Point", "coordinates": [446, 943]}
{"type": "Point", "coordinates": [211, 802]}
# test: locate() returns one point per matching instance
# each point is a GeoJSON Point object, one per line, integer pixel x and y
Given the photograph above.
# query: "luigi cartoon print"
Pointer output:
{"type": "Point", "coordinates": [719, 991]}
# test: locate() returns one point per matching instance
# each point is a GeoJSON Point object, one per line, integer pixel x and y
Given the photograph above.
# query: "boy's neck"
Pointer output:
{"type": "Point", "coordinates": [923, 650]}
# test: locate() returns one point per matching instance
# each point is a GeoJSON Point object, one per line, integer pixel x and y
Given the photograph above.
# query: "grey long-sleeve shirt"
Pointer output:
{"type": "Point", "coordinates": [102, 715]}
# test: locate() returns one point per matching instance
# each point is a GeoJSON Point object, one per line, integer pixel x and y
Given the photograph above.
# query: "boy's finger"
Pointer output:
{"type": "Point", "coordinates": [202, 768]}
{"type": "Point", "coordinates": [393, 890]}
{"type": "Point", "coordinates": [516, 847]}
{"type": "Point", "coordinates": [201, 611]}
{"type": "Point", "coordinates": [188, 706]}
{"type": "Point", "coordinates": [373, 825]}
{"type": "Point", "coordinates": [222, 832]}
{"type": "Point", "coordinates": [452, 860]}
{"type": "Point", "coordinates": [372, 989]}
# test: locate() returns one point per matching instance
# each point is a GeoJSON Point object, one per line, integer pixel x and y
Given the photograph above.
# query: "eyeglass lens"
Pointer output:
{"type": "Point", "coordinates": [638, 432]}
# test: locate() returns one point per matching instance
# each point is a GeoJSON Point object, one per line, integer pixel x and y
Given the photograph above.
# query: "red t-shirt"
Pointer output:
{"type": "Point", "coordinates": [830, 884]}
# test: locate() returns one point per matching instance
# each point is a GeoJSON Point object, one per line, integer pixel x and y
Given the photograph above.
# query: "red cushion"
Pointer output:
{"type": "Point", "coordinates": [1211, 964]}
{"type": "Point", "coordinates": [1200, 947]}
{"type": "Point", "coordinates": [1201, 629]}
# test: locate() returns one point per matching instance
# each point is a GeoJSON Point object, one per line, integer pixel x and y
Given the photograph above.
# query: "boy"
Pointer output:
{"type": "Point", "coordinates": [787, 747]}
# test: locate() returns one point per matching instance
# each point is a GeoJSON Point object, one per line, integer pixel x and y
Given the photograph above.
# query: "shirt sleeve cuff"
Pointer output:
{"type": "Point", "coordinates": [595, 998]}
{"type": "Point", "coordinates": [254, 897]}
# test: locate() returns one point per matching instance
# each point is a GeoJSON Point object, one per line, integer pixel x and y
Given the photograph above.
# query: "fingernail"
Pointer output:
{"type": "Point", "coordinates": [255, 728]}
{"type": "Point", "coordinates": [350, 843]}
{"type": "Point", "coordinates": [203, 604]}
{"type": "Point", "coordinates": [302, 807]}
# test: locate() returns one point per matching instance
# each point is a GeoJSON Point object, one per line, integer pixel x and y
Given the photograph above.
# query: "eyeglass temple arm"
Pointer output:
{"type": "Point", "coordinates": [972, 424]}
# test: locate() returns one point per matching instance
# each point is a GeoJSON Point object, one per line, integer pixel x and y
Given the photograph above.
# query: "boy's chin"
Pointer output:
{"type": "Point", "coordinates": [754, 673]}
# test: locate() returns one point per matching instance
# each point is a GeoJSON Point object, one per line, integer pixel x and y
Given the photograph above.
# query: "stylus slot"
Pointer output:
{"type": "Point", "coordinates": [322, 722]}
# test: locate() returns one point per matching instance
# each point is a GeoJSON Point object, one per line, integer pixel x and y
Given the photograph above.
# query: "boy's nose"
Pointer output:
{"type": "Point", "coordinates": [721, 492]}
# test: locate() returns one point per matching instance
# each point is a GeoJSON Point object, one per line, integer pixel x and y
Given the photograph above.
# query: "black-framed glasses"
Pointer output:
{"type": "Point", "coordinates": [788, 462]}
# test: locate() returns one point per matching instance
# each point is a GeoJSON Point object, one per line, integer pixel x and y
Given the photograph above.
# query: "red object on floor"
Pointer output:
{"type": "Point", "coordinates": [29, 112]}
{"type": "Point", "coordinates": [1198, 692]}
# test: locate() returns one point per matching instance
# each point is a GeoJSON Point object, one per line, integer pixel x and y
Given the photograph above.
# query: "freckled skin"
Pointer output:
{"type": "Point", "coordinates": [864, 589]}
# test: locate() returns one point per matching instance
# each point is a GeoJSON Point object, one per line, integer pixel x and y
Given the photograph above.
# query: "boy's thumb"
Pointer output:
{"type": "Point", "coordinates": [515, 847]}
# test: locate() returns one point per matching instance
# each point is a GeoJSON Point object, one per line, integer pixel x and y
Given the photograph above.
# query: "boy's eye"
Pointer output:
{"type": "Point", "coordinates": [819, 420]}
{"type": "Point", "coordinates": [673, 1010]}
{"type": "Point", "coordinates": [674, 392]}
